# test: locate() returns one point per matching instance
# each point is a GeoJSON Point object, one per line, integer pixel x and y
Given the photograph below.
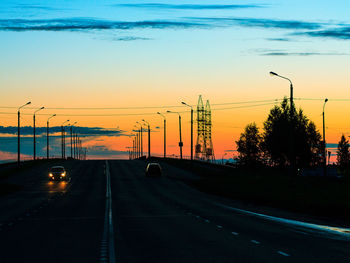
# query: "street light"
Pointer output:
{"type": "Point", "coordinates": [184, 103]}
{"type": "Point", "coordinates": [62, 139]}
{"type": "Point", "coordinates": [34, 137]}
{"type": "Point", "coordinates": [19, 134]}
{"type": "Point", "coordinates": [149, 138]}
{"type": "Point", "coordinates": [71, 139]}
{"type": "Point", "coordinates": [164, 137]}
{"type": "Point", "coordinates": [291, 119]}
{"type": "Point", "coordinates": [138, 139]}
{"type": "Point", "coordinates": [324, 140]}
{"type": "Point", "coordinates": [47, 136]}
{"type": "Point", "coordinates": [141, 138]}
{"type": "Point", "coordinates": [180, 142]}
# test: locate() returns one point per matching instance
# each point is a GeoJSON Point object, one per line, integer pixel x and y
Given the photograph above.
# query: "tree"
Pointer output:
{"type": "Point", "coordinates": [278, 129]}
{"type": "Point", "coordinates": [343, 154]}
{"type": "Point", "coordinates": [248, 146]}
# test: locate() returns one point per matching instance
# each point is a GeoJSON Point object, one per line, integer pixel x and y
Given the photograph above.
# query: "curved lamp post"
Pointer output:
{"type": "Point", "coordinates": [19, 133]}
{"type": "Point", "coordinates": [324, 140]}
{"type": "Point", "coordinates": [164, 136]}
{"type": "Point", "coordinates": [138, 147]}
{"type": "Point", "coordinates": [71, 139]}
{"type": "Point", "coordinates": [149, 138]}
{"type": "Point", "coordinates": [180, 142]}
{"type": "Point", "coordinates": [34, 137]}
{"type": "Point", "coordinates": [141, 137]}
{"type": "Point", "coordinates": [47, 136]}
{"type": "Point", "coordinates": [63, 139]}
{"type": "Point", "coordinates": [293, 161]}
{"type": "Point", "coordinates": [184, 103]}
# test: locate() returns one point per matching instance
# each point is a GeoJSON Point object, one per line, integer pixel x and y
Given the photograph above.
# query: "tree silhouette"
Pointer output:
{"type": "Point", "coordinates": [343, 154]}
{"type": "Point", "coordinates": [248, 146]}
{"type": "Point", "coordinates": [277, 137]}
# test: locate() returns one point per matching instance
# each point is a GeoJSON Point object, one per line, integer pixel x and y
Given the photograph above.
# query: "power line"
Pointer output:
{"type": "Point", "coordinates": [141, 107]}
{"type": "Point", "coordinates": [268, 102]}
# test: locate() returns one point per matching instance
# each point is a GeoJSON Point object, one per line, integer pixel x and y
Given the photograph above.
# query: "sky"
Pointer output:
{"type": "Point", "coordinates": [108, 64]}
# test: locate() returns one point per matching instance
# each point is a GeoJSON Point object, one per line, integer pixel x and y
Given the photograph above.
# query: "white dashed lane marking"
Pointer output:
{"type": "Point", "coordinates": [234, 233]}
{"type": "Point", "coordinates": [218, 226]}
{"type": "Point", "coordinates": [255, 242]}
{"type": "Point", "coordinates": [283, 253]}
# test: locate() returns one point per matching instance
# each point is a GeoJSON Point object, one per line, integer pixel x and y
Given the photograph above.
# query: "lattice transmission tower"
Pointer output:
{"type": "Point", "coordinates": [204, 146]}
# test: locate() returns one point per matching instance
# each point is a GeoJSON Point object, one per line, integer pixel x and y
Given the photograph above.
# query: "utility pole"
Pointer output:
{"type": "Point", "coordinates": [19, 134]}
{"type": "Point", "coordinates": [63, 139]}
{"type": "Point", "coordinates": [34, 137]}
{"type": "Point", "coordinates": [180, 142]}
{"type": "Point", "coordinates": [184, 103]}
{"type": "Point", "coordinates": [48, 136]}
{"type": "Point", "coordinates": [324, 141]}
{"type": "Point", "coordinates": [164, 136]}
{"type": "Point", "coordinates": [71, 139]}
{"type": "Point", "coordinates": [141, 137]}
{"type": "Point", "coordinates": [291, 141]}
{"type": "Point", "coordinates": [149, 139]}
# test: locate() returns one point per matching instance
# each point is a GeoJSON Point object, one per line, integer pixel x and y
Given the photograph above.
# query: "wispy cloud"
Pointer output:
{"type": "Point", "coordinates": [300, 28]}
{"type": "Point", "coordinates": [78, 24]}
{"type": "Point", "coordinates": [83, 131]}
{"type": "Point", "coordinates": [282, 39]}
{"type": "Point", "coordinates": [189, 6]}
{"type": "Point", "coordinates": [267, 52]}
{"type": "Point", "coordinates": [342, 33]}
{"type": "Point", "coordinates": [304, 54]}
{"type": "Point", "coordinates": [261, 22]}
{"type": "Point", "coordinates": [36, 7]}
{"type": "Point", "coordinates": [129, 38]}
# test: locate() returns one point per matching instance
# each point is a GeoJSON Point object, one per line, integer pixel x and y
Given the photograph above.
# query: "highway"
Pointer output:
{"type": "Point", "coordinates": [110, 212]}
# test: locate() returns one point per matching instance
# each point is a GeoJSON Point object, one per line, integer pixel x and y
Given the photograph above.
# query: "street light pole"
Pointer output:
{"type": "Point", "coordinates": [71, 139]}
{"type": "Point", "coordinates": [180, 142]}
{"type": "Point", "coordinates": [324, 140]}
{"type": "Point", "coordinates": [141, 138]}
{"type": "Point", "coordinates": [47, 136]}
{"type": "Point", "coordinates": [164, 136]}
{"type": "Point", "coordinates": [191, 128]}
{"type": "Point", "coordinates": [19, 134]}
{"type": "Point", "coordinates": [149, 138]}
{"type": "Point", "coordinates": [62, 138]}
{"type": "Point", "coordinates": [293, 161]}
{"type": "Point", "coordinates": [34, 137]}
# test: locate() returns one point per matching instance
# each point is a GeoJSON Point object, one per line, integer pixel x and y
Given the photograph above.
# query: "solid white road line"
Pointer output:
{"type": "Point", "coordinates": [283, 254]}
{"type": "Point", "coordinates": [333, 232]}
{"type": "Point", "coordinates": [108, 233]}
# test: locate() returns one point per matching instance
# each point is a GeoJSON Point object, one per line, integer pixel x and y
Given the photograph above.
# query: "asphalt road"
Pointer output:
{"type": "Point", "coordinates": [115, 212]}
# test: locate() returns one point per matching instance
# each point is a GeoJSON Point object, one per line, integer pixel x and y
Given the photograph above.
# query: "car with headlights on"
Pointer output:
{"type": "Point", "coordinates": [58, 173]}
{"type": "Point", "coordinates": [153, 170]}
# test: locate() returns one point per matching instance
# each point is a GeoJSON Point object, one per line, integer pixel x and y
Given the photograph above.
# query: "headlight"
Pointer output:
{"type": "Point", "coordinates": [63, 174]}
{"type": "Point", "coordinates": [50, 174]}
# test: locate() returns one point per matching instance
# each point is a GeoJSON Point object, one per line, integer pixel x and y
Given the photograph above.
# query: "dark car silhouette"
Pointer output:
{"type": "Point", "coordinates": [153, 170]}
{"type": "Point", "coordinates": [58, 173]}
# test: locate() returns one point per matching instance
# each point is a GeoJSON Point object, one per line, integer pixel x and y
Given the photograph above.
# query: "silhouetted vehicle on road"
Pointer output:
{"type": "Point", "coordinates": [153, 170]}
{"type": "Point", "coordinates": [58, 173]}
